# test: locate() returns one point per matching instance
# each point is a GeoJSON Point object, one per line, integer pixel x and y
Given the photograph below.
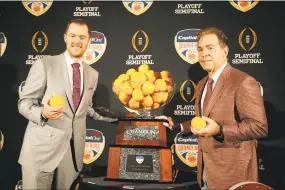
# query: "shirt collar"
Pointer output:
{"type": "Point", "coordinates": [69, 59]}
{"type": "Point", "coordinates": [217, 74]}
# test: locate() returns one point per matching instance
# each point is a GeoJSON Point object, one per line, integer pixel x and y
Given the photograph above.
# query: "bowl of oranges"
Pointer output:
{"type": "Point", "coordinates": [144, 89]}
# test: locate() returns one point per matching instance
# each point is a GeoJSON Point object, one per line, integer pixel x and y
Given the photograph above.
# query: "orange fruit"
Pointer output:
{"type": "Point", "coordinates": [143, 68]}
{"type": "Point", "coordinates": [158, 97]}
{"type": "Point", "coordinates": [137, 79]}
{"type": "Point", "coordinates": [124, 97]}
{"type": "Point", "coordinates": [127, 88]}
{"type": "Point", "coordinates": [165, 74]}
{"type": "Point", "coordinates": [148, 88]}
{"type": "Point", "coordinates": [155, 105]}
{"type": "Point", "coordinates": [147, 102]}
{"type": "Point", "coordinates": [130, 71]}
{"type": "Point", "coordinates": [198, 123]}
{"type": "Point", "coordinates": [137, 94]}
{"type": "Point", "coordinates": [133, 104]}
{"type": "Point", "coordinates": [123, 77]}
{"type": "Point", "coordinates": [160, 85]}
{"type": "Point", "coordinates": [56, 101]}
{"type": "Point", "coordinates": [152, 75]}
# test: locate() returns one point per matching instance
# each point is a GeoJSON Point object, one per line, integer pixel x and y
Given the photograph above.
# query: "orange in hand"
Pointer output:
{"type": "Point", "coordinates": [198, 123]}
{"type": "Point", "coordinates": [56, 101]}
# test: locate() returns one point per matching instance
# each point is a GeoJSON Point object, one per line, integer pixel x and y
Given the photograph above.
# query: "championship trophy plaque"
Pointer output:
{"type": "Point", "coordinates": [141, 152]}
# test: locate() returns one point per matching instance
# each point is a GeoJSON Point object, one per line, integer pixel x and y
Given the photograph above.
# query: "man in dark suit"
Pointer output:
{"type": "Point", "coordinates": [55, 137]}
{"type": "Point", "coordinates": [231, 103]}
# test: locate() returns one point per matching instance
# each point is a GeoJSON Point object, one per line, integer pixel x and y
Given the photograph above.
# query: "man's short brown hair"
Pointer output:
{"type": "Point", "coordinates": [223, 39]}
{"type": "Point", "coordinates": [79, 22]}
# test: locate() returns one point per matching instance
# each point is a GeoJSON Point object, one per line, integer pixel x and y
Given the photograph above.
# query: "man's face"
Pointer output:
{"type": "Point", "coordinates": [77, 39]}
{"type": "Point", "coordinates": [211, 55]}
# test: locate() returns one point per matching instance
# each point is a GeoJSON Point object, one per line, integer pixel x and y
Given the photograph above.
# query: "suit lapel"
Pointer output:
{"type": "Point", "coordinates": [199, 96]}
{"type": "Point", "coordinates": [219, 88]}
{"type": "Point", "coordinates": [61, 67]}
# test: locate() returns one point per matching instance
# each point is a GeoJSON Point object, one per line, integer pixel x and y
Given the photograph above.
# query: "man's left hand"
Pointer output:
{"type": "Point", "coordinates": [211, 129]}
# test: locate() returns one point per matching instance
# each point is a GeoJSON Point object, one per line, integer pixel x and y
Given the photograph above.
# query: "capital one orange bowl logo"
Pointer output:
{"type": "Point", "coordinates": [243, 5]}
{"type": "Point", "coordinates": [186, 148]}
{"type": "Point", "coordinates": [94, 145]}
{"type": "Point", "coordinates": [186, 42]}
{"type": "Point", "coordinates": [37, 8]}
{"type": "Point", "coordinates": [137, 7]}
{"type": "Point", "coordinates": [3, 43]}
{"type": "Point", "coordinates": [96, 48]}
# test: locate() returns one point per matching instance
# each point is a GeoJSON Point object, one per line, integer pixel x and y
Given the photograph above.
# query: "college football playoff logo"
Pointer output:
{"type": "Point", "coordinates": [140, 41]}
{"type": "Point", "coordinates": [39, 41]}
{"type": "Point", "coordinates": [137, 7]}
{"type": "Point", "coordinates": [244, 5]}
{"type": "Point", "coordinates": [247, 39]}
{"type": "Point", "coordinates": [187, 91]}
{"type": "Point", "coordinates": [96, 48]}
{"type": "Point", "coordinates": [3, 43]}
{"type": "Point", "coordinates": [38, 7]}
{"type": "Point", "coordinates": [186, 42]}
{"type": "Point", "coordinates": [87, 2]}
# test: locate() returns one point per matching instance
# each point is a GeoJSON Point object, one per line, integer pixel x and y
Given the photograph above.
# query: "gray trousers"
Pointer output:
{"type": "Point", "coordinates": [66, 174]}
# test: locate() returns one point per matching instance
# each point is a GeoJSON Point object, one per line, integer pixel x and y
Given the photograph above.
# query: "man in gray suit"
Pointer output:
{"type": "Point", "coordinates": [55, 137]}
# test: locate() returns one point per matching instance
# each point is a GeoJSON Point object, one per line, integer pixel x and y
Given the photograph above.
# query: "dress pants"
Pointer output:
{"type": "Point", "coordinates": [65, 175]}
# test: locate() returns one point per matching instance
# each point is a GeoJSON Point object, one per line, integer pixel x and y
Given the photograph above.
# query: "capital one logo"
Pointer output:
{"type": "Point", "coordinates": [243, 5]}
{"type": "Point", "coordinates": [186, 42]}
{"type": "Point", "coordinates": [96, 48]}
{"type": "Point", "coordinates": [187, 91]}
{"type": "Point", "coordinates": [139, 159]}
{"type": "Point", "coordinates": [3, 43]}
{"type": "Point", "coordinates": [39, 41]}
{"type": "Point", "coordinates": [247, 39]}
{"type": "Point", "coordinates": [137, 7]}
{"type": "Point", "coordinates": [37, 8]}
{"type": "Point", "coordinates": [140, 41]}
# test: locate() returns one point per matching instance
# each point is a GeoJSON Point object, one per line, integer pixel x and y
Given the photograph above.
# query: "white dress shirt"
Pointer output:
{"type": "Point", "coordinates": [215, 77]}
{"type": "Point", "coordinates": [69, 62]}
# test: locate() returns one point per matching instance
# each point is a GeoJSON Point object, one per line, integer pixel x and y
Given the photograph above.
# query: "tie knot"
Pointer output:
{"type": "Point", "coordinates": [75, 65]}
{"type": "Point", "coordinates": [210, 81]}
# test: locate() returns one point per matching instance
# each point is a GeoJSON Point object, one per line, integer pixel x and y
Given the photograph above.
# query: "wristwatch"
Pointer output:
{"type": "Point", "coordinates": [220, 135]}
{"type": "Point", "coordinates": [43, 119]}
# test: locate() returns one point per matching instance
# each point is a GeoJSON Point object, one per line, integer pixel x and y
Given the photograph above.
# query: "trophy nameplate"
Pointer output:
{"type": "Point", "coordinates": [143, 163]}
{"type": "Point", "coordinates": [148, 132]}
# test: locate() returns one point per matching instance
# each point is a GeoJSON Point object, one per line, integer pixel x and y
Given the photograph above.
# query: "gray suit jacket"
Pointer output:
{"type": "Point", "coordinates": [44, 147]}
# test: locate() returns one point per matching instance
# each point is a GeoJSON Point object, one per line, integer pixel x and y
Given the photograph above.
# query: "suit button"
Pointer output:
{"type": "Point", "coordinates": [69, 137]}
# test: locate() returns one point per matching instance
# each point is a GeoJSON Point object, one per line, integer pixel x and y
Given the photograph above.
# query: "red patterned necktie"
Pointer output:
{"type": "Point", "coordinates": [76, 85]}
{"type": "Point", "coordinates": [208, 93]}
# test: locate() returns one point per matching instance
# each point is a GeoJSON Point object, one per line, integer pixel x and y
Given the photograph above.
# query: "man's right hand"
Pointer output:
{"type": "Point", "coordinates": [170, 123]}
{"type": "Point", "coordinates": [52, 113]}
